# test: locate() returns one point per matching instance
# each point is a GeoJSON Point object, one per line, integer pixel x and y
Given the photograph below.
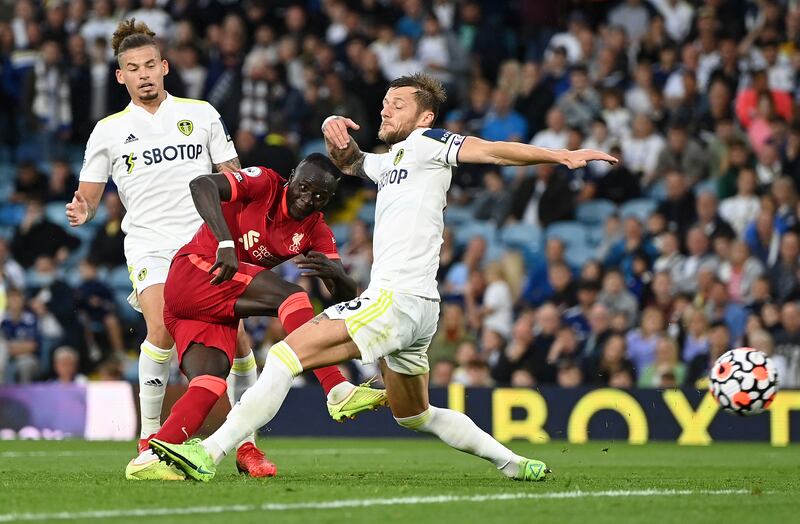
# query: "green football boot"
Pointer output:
{"type": "Point", "coordinates": [532, 470]}
{"type": "Point", "coordinates": [361, 398]}
{"type": "Point", "coordinates": [190, 457]}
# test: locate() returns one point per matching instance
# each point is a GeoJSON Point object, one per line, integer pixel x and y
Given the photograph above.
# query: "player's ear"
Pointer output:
{"type": "Point", "coordinates": [165, 65]}
{"type": "Point", "coordinates": [118, 74]}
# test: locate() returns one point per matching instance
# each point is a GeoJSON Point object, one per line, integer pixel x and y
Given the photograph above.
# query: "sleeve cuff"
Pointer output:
{"type": "Point", "coordinates": [234, 186]}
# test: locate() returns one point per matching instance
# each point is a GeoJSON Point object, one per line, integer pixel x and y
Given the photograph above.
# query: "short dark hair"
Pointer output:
{"type": "Point", "coordinates": [430, 93]}
{"type": "Point", "coordinates": [324, 163]}
{"type": "Point", "coordinates": [130, 35]}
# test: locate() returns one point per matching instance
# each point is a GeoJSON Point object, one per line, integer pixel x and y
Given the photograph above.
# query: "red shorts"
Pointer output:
{"type": "Point", "coordinates": [196, 311]}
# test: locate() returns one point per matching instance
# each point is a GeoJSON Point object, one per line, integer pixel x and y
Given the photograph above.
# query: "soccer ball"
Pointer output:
{"type": "Point", "coordinates": [743, 381]}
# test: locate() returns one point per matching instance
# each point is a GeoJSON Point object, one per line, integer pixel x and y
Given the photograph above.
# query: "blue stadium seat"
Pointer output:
{"type": "Point", "coordinates": [11, 214]}
{"type": "Point", "coordinates": [522, 236]}
{"type": "Point", "coordinates": [595, 212]}
{"type": "Point", "coordinates": [640, 208]}
{"type": "Point", "coordinates": [569, 232]}
{"type": "Point", "coordinates": [594, 235]}
{"type": "Point", "coordinates": [119, 280]}
{"type": "Point", "coordinates": [367, 213]}
{"type": "Point", "coordinates": [578, 254]}
{"type": "Point", "coordinates": [457, 215]}
{"type": "Point", "coordinates": [466, 231]}
{"type": "Point", "coordinates": [56, 213]}
{"type": "Point", "coordinates": [709, 186]}
{"type": "Point", "coordinates": [341, 232]}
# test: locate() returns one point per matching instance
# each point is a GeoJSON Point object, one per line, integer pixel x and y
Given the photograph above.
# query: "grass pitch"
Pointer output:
{"type": "Point", "coordinates": [409, 481]}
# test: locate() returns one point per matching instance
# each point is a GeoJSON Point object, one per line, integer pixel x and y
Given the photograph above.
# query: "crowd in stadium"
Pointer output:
{"type": "Point", "coordinates": [633, 275]}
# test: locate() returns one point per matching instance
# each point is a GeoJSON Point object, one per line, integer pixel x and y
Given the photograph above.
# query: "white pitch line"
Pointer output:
{"type": "Point", "coordinates": [356, 503]}
{"type": "Point", "coordinates": [276, 452]}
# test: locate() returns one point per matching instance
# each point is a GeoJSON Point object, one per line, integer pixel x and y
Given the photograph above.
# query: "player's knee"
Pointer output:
{"type": "Point", "coordinates": [416, 422]}
{"type": "Point", "coordinates": [201, 360]}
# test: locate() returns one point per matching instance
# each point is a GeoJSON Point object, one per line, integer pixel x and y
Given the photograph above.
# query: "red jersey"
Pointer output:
{"type": "Point", "coordinates": [264, 232]}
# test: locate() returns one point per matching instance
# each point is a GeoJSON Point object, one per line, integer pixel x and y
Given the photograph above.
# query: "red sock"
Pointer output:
{"type": "Point", "coordinates": [295, 311]}
{"type": "Point", "coordinates": [189, 412]}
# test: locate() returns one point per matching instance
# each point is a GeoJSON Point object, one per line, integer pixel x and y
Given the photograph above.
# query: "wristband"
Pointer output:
{"type": "Point", "coordinates": [322, 127]}
{"type": "Point", "coordinates": [226, 243]}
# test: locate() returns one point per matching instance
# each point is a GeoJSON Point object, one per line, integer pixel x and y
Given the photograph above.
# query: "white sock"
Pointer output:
{"type": "Point", "coordinates": [244, 374]}
{"type": "Point", "coordinates": [259, 404]}
{"type": "Point", "coordinates": [459, 431]}
{"type": "Point", "coordinates": [153, 378]}
{"type": "Point", "coordinates": [339, 392]}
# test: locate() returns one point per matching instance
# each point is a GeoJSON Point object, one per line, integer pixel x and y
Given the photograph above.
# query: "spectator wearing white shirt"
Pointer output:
{"type": "Point", "coordinates": [637, 97]}
{"type": "Point", "coordinates": [632, 16]}
{"type": "Point", "coordinates": [387, 48]}
{"type": "Point", "coordinates": [433, 51]}
{"type": "Point", "coordinates": [674, 88]}
{"type": "Point", "coordinates": [698, 259]}
{"type": "Point", "coordinates": [156, 18]}
{"type": "Point", "coordinates": [497, 308]}
{"type": "Point", "coordinates": [556, 134]}
{"type": "Point", "coordinates": [101, 24]}
{"type": "Point", "coordinates": [407, 62]}
{"type": "Point", "coordinates": [600, 139]}
{"type": "Point", "coordinates": [642, 148]}
{"type": "Point", "coordinates": [742, 208]}
{"type": "Point", "coordinates": [569, 39]}
{"type": "Point", "coordinates": [779, 68]}
{"type": "Point", "coordinates": [677, 15]}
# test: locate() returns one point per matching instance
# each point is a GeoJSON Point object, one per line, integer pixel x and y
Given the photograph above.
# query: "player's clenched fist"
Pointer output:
{"type": "Point", "coordinates": [225, 266]}
{"type": "Point", "coordinates": [334, 129]}
{"type": "Point", "coordinates": [77, 210]}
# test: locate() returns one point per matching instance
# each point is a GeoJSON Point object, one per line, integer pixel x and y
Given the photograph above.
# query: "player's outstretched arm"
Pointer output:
{"type": "Point", "coordinates": [208, 192]}
{"type": "Point", "coordinates": [478, 151]}
{"type": "Point", "coordinates": [84, 203]}
{"type": "Point", "coordinates": [341, 287]}
{"type": "Point", "coordinates": [342, 149]}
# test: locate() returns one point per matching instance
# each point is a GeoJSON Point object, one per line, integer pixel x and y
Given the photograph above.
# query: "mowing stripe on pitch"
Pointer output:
{"type": "Point", "coordinates": [358, 503]}
{"type": "Point", "coordinates": [277, 452]}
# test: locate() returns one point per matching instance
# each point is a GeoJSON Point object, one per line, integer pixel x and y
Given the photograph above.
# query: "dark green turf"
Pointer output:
{"type": "Point", "coordinates": [35, 479]}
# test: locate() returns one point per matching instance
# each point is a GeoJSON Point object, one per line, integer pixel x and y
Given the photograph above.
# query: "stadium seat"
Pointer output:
{"type": "Point", "coordinates": [11, 214]}
{"type": "Point", "coordinates": [569, 232]}
{"type": "Point", "coordinates": [640, 208]}
{"type": "Point", "coordinates": [367, 213]}
{"type": "Point", "coordinates": [457, 215]}
{"type": "Point", "coordinates": [595, 212]}
{"type": "Point", "coordinates": [522, 236]}
{"type": "Point", "coordinates": [706, 186]}
{"type": "Point", "coordinates": [56, 213]}
{"type": "Point", "coordinates": [475, 228]}
{"type": "Point", "coordinates": [594, 235]}
{"type": "Point", "coordinates": [119, 280]}
{"type": "Point", "coordinates": [578, 254]}
{"type": "Point", "coordinates": [341, 232]}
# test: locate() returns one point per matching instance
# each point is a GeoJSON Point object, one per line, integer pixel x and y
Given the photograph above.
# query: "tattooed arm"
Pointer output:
{"type": "Point", "coordinates": [229, 165]}
{"type": "Point", "coordinates": [342, 149]}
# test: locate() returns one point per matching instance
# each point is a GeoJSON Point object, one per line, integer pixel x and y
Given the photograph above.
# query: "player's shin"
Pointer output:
{"type": "Point", "coordinates": [153, 376]}
{"type": "Point", "coordinates": [459, 431]}
{"type": "Point", "coordinates": [243, 375]}
{"type": "Point", "coordinates": [295, 311]}
{"type": "Point", "coordinates": [259, 404]}
{"type": "Point", "coordinates": [192, 408]}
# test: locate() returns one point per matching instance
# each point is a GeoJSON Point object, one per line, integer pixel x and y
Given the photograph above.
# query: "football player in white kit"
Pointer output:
{"type": "Point", "coordinates": [394, 320]}
{"type": "Point", "coordinates": [153, 149]}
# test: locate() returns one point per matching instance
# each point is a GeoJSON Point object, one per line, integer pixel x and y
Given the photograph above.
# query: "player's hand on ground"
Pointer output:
{"type": "Point", "coordinates": [581, 157]}
{"type": "Point", "coordinates": [225, 265]}
{"type": "Point", "coordinates": [318, 265]}
{"type": "Point", "coordinates": [77, 210]}
{"type": "Point", "coordinates": [335, 131]}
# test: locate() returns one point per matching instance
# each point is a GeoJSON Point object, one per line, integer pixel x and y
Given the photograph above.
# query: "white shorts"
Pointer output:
{"type": "Point", "coordinates": [148, 270]}
{"type": "Point", "coordinates": [390, 325]}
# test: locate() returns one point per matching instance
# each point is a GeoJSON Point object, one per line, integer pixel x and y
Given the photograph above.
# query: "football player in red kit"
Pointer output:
{"type": "Point", "coordinates": [253, 222]}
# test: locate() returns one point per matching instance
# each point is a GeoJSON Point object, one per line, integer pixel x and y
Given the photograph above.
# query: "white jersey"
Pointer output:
{"type": "Point", "coordinates": [152, 158]}
{"type": "Point", "coordinates": [413, 179]}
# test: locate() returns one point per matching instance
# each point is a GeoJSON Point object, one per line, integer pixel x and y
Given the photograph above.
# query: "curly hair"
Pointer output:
{"type": "Point", "coordinates": [130, 35]}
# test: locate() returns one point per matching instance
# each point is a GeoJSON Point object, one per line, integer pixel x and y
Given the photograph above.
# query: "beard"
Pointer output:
{"type": "Point", "coordinates": [149, 96]}
{"type": "Point", "coordinates": [393, 135]}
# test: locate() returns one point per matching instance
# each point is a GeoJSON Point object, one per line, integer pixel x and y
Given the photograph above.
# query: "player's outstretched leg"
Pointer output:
{"type": "Point", "coordinates": [321, 343]}
{"type": "Point", "coordinates": [249, 459]}
{"type": "Point", "coordinates": [269, 295]}
{"type": "Point", "coordinates": [408, 396]}
{"type": "Point", "coordinates": [204, 366]}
